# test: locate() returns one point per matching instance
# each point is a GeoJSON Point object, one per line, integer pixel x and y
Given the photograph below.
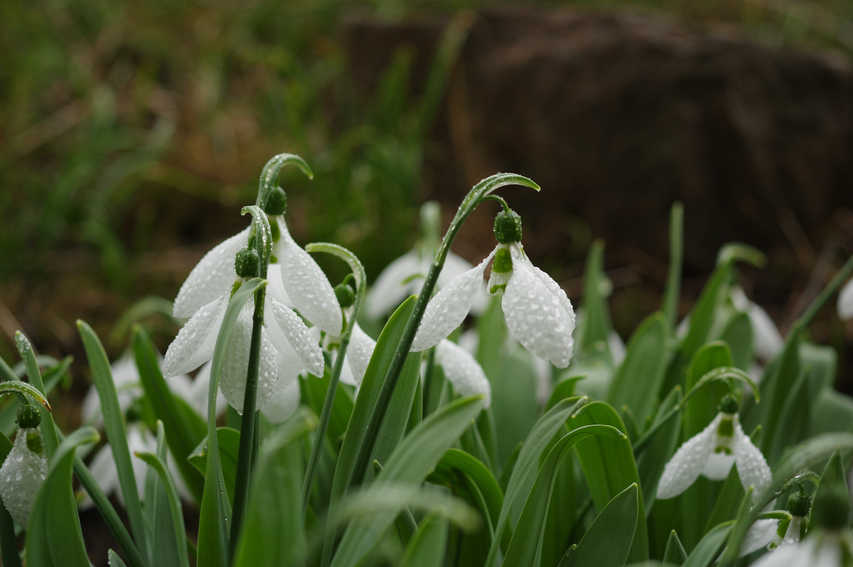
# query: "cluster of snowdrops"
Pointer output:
{"type": "Point", "coordinates": [482, 422]}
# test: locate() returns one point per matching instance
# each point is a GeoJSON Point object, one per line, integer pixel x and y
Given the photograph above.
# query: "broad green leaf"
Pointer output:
{"type": "Point", "coordinates": [426, 549]}
{"type": "Point", "coordinates": [397, 417]}
{"type": "Point", "coordinates": [215, 506]}
{"type": "Point", "coordinates": [228, 439]}
{"type": "Point", "coordinates": [833, 412]}
{"type": "Point", "coordinates": [273, 533]}
{"type": "Point", "coordinates": [594, 332]}
{"type": "Point", "coordinates": [639, 378]}
{"type": "Point", "coordinates": [113, 559]}
{"type": "Point", "coordinates": [54, 535]}
{"type": "Point", "coordinates": [564, 389]}
{"type": "Point", "coordinates": [410, 463]}
{"type": "Point", "coordinates": [709, 547]}
{"type": "Point", "coordinates": [833, 478]}
{"type": "Point", "coordinates": [609, 539]}
{"type": "Point", "coordinates": [158, 514]}
{"type": "Point", "coordinates": [176, 515]}
{"type": "Point", "coordinates": [674, 552]}
{"type": "Point", "coordinates": [478, 479]}
{"type": "Point", "coordinates": [527, 539]}
{"type": "Point", "coordinates": [661, 446]}
{"type": "Point", "coordinates": [609, 467]}
{"type": "Point", "coordinates": [24, 389]}
{"type": "Point", "coordinates": [184, 430]}
{"type": "Point", "coordinates": [703, 405]}
{"type": "Point", "coordinates": [737, 334]}
{"type": "Point", "coordinates": [564, 510]}
{"type": "Point", "coordinates": [314, 394]}
{"type": "Point", "coordinates": [114, 428]}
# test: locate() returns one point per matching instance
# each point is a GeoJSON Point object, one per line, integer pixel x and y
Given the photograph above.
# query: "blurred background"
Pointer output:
{"type": "Point", "coordinates": [131, 133]}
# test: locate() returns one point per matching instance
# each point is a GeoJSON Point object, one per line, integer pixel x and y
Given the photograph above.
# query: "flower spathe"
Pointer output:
{"type": "Point", "coordinates": [711, 452]}
{"type": "Point", "coordinates": [538, 313]}
{"type": "Point", "coordinates": [21, 476]}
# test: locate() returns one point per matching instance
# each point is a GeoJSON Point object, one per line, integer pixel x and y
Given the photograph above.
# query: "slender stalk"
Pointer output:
{"type": "Point", "coordinates": [843, 274]}
{"type": "Point", "coordinates": [247, 426]}
{"type": "Point", "coordinates": [474, 197]}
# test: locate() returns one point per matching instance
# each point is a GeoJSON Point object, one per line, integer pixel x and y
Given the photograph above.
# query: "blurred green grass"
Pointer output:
{"type": "Point", "coordinates": [131, 133]}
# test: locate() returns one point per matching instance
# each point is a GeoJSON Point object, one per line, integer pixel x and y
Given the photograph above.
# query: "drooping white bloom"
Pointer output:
{"type": "Point", "coordinates": [712, 452]}
{"type": "Point", "coordinates": [21, 476]}
{"type": "Point", "coordinates": [538, 313]}
{"type": "Point", "coordinates": [405, 276]}
{"type": "Point", "coordinates": [822, 549]}
{"type": "Point", "coordinates": [845, 301]}
{"type": "Point", "coordinates": [296, 283]}
{"type": "Point", "coordinates": [768, 340]}
{"type": "Point", "coordinates": [463, 371]}
{"type": "Point", "coordinates": [359, 352]}
{"type": "Point", "coordinates": [764, 533]}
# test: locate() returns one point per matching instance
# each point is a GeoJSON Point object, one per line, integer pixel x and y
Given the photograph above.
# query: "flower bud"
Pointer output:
{"type": "Point", "coordinates": [247, 264]}
{"type": "Point", "coordinates": [28, 416]}
{"type": "Point", "coordinates": [798, 504]}
{"type": "Point", "coordinates": [345, 294]}
{"type": "Point", "coordinates": [507, 227]}
{"type": "Point", "coordinates": [729, 404]}
{"type": "Point", "coordinates": [275, 202]}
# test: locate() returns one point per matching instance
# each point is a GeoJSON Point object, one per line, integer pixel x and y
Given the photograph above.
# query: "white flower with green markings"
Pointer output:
{"type": "Point", "coordinates": [22, 474]}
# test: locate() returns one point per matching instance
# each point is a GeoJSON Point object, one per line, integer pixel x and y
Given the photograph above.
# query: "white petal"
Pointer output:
{"type": "Point", "coordinates": [275, 287]}
{"type": "Point", "coordinates": [21, 476]}
{"type": "Point", "coordinates": [845, 301]}
{"type": "Point", "coordinates": [236, 364]}
{"type": "Point", "coordinates": [200, 392]}
{"type": "Point", "coordinates": [751, 466]}
{"type": "Point", "coordinates": [306, 285]}
{"type": "Point", "coordinates": [139, 441]}
{"type": "Point", "coordinates": [760, 534]}
{"type": "Point", "coordinates": [718, 466]}
{"type": "Point", "coordinates": [299, 337]}
{"type": "Point", "coordinates": [463, 371]}
{"type": "Point", "coordinates": [617, 348]}
{"type": "Point", "coordinates": [283, 402]}
{"type": "Point", "coordinates": [544, 379]}
{"type": "Point", "coordinates": [195, 341]}
{"type": "Point", "coordinates": [797, 555]}
{"type": "Point", "coordinates": [538, 313]}
{"type": "Point", "coordinates": [359, 352]}
{"type": "Point", "coordinates": [792, 534]}
{"type": "Point", "coordinates": [211, 278]}
{"type": "Point", "coordinates": [347, 376]}
{"type": "Point", "coordinates": [448, 308]}
{"type": "Point", "coordinates": [688, 462]}
{"type": "Point", "coordinates": [469, 340]}
{"type": "Point", "coordinates": [389, 288]}
{"type": "Point", "coordinates": [91, 410]}
{"type": "Point", "coordinates": [768, 341]}
{"type": "Point", "coordinates": [827, 554]}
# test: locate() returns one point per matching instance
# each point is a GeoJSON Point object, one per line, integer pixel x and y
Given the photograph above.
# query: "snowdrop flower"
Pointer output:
{"type": "Point", "coordinates": [463, 371]}
{"type": "Point", "coordinates": [770, 533]}
{"type": "Point", "coordinates": [768, 341]}
{"type": "Point", "coordinates": [25, 467]}
{"type": "Point", "coordinates": [712, 452]}
{"type": "Point", "coordinates": [538, 313]}
{"type": "Point", "coordinates": [845, 301]}
{"type": "Point", "coordinates": [103, 467]}
{"type": "Point", "coordinates": [359, 352]}
{"type": "Point", "coordinates": [295, 283]}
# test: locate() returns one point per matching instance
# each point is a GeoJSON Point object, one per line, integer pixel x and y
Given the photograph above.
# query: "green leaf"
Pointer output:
{"type": "Point", "coordinates": [639, 378]}
{"type": "Point", "coordinates": [709, 547]}
{"type": "Point", "coordinates": [27, 352]}
{"type": "Point", "coordinates": [54, 535]}
{"type": "Point", "coordinates": [215, 506]}
{"type": "Point", "coordinates": [314, 394]}
{"type": "Point", "coordinates": [113, 560]}
{"type": "Point", "coordinates": [674, 552]}
{"type": "Point", "coordinates": [158, 518]}
{"type": "Point", "coordinates": [368, 395]}
{"type": "Point", "coordinates": [596, 328]}
{"type": "Point", "coordinates": [176, 515]}
{"type": "Point", "coordinates": [478, 479]}
{"type": "Point", "coordinates": [833, 412]}
{"type": "Point", "coordinates": [608, 541]}
{"type": "Point", "coordinates": [397, 417]}
{"type": "Point", "coordinates": [653, 459]}
{"type": "Point", "coordinates": [704, 405]}
{"type": "Point", "coordinates": [114, 428]}
{"type": "Point", "coordinates": [426, 549]}
{"type": "Point", "coordinates": [410, 463]}
{"type": "Point", "coordinates": [184, 430]}
{"type": "Point", "coordinates": [737, 334]}
{"type": "Point", "coordinates": [273, 533]}
{"type": "Point", "coordinates": [24, 389]}
{"type": "Point", "coordinates": [676, 253]}
{"type": "Point", "coordinates": [833, 478]}
{"type": "Point", "coordinates": [564, 389]}
{"type": "Point", "coordinates": [228, 440]}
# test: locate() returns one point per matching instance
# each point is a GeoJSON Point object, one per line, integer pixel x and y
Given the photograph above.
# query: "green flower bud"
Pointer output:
{"type": "Point", "coordinates": [831, 508]}
{"type": "Point", "coordinates": [247, 264]}
{"type": "Point", "coordinates": [345, 294]}
{"type": "Point", "coordinates": [729, 404]}
{"type": "Point", "coordinates": [507, 227]}
{"type": "Point", "coordinates": [34, 443]}
{"type": "Point", "coordinates": [275, 202]}
{"type": "Point", "coordinates": [28, 416]}
{"type": "Point", "coordinates": [798, 504]}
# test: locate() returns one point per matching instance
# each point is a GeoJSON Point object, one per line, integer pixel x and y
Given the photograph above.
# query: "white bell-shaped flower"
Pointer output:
{"type": "Point", "coordinates": [768, 340]}
{"type": "Point", "coordinates": [819, 550]}
{"type": "Point", "coordinates": [359, 352]}
{"type": "Point", "coordinates": [711, 453]}
{"type": "Point", "coordinates": [845, 301]}
{"type": "Point", "coordinates": [463, 371]}
{"type": "Point", "coordinates": [21, 476]}
{"type": "Point", "coordinates": [538, 313]}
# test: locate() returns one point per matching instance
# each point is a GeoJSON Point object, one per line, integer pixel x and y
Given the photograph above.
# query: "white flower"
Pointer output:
{"type": "Point", "coordinates": [819, 550]}
{"type": "Point", "coordinates": [765, 533]}
{"type": "Point", "coordinates": [845, 301]}
{"type": "Point", "coordinates": [21, 476]}
{"type": "Point", "coordinates": [768, 341]}
{"type": "Point", "coordinates": [405, 276]}
{"type": "Point", "coordinates": [295, 283]}
{"type": "Point", "coordinates": [359, 352]}
{"type": "Point", "coordinates": [463, 371]}
{"type": "Point", "coordinates": [538, 313]}
{"type": "Point", "coordinates": [711, 452]}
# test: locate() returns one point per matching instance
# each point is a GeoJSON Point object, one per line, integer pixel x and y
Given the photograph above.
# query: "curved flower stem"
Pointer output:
{"type": "Point", "coordinates": [474, 197]}
{"type": "Point", "coordinates": [325, 414]}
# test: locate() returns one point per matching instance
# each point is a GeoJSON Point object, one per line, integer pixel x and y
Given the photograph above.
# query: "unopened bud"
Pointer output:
{"type": "Point", "coordinates": [28, 417]}
{"type": "Point", "coordinates": [507, 227]}
{"type": "Point", "coordinates": [247, 264]}
{"type": "Point", "coordinates": [275, 202]}
{"type": "Point", "coordinates": [345, 294]}
{"type": "Point", "coordinates": [729, 404]}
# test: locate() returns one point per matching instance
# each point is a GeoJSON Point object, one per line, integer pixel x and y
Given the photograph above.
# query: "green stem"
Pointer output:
{"type": "Point", "coordinates": [474, 197]}
{"type": "Point", "coordinates": [842, 276]}
{"type": "Point", "coordinates": [676, 253]}
{"type": "Point", "coordinates": [247, 427]}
